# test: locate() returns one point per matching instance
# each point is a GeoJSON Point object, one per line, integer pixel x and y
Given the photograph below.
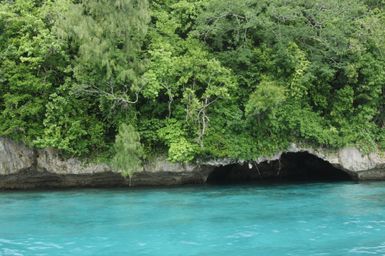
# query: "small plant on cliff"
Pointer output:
{"type": "Point", "coordinates": [128, 151]}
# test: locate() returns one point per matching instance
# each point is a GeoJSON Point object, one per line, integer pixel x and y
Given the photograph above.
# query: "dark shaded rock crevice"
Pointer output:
{"type": "Point", "coordinates": [298, 166]}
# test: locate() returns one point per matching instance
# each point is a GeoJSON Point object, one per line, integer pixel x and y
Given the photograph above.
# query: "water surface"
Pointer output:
{"type": "Point", "coordinates": [287, 219]}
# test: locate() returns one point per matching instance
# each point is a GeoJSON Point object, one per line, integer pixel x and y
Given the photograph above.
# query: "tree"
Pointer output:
{"type": "Point", "coordinates": [70, 125]}
{"type": "Point", "coordinates": [195, 78]}
{"type": "Point", "coordinates": [106, 37]}
{"type": "Point", "coordinates": [318, 50]}
{"type": "Point", "coordinates": [182, 70]}
{"type": "Point", "coordinates": [128, 151]}
{"type": "Point", "coordinates": [32, 65]}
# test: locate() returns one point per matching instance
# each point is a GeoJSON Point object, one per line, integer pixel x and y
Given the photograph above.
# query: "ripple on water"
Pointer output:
{"type": "Point", "coordinates": [299, 219]}
{"type": "Point", "coordinates": [370, 250]}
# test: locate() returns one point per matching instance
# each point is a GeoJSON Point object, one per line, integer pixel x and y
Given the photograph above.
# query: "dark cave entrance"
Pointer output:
{"type": "Point", "coordinates": [300, 166]}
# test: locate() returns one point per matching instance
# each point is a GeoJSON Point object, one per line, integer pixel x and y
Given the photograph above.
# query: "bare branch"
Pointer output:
{"type": "Point", "coordinates": [112, 96]}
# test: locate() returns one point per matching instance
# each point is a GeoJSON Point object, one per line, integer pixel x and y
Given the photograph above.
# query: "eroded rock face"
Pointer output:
{"type": "Point", "coordinates": [50, 161]}
{"type": "Point", "coordinates": [351, 160]}
{"type": "Point", "coordinates": [22, 167]}
{"type": "Point", "coordinates": [348, 159]}
{"type": "Point", "coordinates": [15, 157]}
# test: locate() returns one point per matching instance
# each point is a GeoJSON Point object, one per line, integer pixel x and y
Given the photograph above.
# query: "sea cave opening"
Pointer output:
{"type": "Point", "coordinates": [299, 166]}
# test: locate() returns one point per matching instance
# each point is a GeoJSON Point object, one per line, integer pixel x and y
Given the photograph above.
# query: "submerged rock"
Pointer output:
{"type": "Point", "coordinates": [23, 167]}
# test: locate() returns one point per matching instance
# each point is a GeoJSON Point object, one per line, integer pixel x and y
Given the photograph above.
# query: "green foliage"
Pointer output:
{"type": "Point", "coordinates": [105, 40]}
{"type": "Point", "coordinates": [32, 63]}
{"type": "Point", "coordinates": [107, 35]}
{"type": "Point", "coordinates": [128, 150]}
{"type": "Point", "coordinates": [381, 139]}
{"type": "Point", "coordinates": [68, 126]}
{"type": "Point", "coordinates": [327, 60]}
{"type": "Point", "coordinates": [194, 78]}
{"type": "Point", "coordinates": [265, 98]}
{"type": "Point", "coordinates": [181, 151]}
{"type": "Point", "coordinates": [174, 135]}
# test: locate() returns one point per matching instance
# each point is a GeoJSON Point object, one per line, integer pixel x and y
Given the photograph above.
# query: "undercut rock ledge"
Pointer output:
{"type": "Point", "coordinates": [25, 168]}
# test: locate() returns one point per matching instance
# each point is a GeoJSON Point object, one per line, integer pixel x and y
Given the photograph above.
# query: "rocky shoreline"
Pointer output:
{"type": "Point", "coordinates": [25, 168]}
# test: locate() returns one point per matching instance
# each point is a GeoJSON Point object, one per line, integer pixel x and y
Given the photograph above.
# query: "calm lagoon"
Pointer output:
{"type": "Point", "coordinates": [344, 218]}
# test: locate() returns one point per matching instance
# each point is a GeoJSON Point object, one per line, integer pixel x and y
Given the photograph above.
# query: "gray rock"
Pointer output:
{"type": "Point", "coordinates": [22, 167]}
{"type": "Point", "coordinates": [15, 157]}
{"type": "Point", "coordinates": [49, 160]}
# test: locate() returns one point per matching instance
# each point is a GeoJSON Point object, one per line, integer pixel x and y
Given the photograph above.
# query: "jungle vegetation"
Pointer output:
{"type": "Point", "coordinates": [193, 79]}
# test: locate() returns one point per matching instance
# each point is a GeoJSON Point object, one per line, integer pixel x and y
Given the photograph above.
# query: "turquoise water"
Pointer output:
{"type": "Point", "coordinates": [291, 219]}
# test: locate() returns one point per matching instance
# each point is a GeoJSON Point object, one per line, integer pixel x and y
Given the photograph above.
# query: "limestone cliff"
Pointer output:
{"type": "Point", "coordinates": [22, 167]}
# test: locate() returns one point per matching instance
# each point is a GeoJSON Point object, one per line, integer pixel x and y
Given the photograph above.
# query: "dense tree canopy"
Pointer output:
{"type": "Point", "coordinates": [192, 78]}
